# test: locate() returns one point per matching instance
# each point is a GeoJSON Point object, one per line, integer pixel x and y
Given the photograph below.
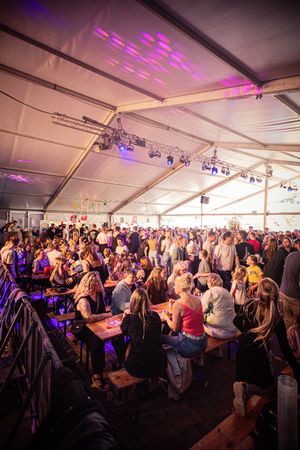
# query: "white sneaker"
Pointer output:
{"type": "Point", "coordinates": [241, 397]}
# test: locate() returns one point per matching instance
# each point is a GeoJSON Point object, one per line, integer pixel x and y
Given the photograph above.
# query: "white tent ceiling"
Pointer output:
{"type": "Point", "coordinates": [194, 75]}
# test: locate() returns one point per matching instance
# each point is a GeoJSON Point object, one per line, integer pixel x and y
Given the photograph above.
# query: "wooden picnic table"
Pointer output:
{"type": "Point", "coordinates": [52, 292]}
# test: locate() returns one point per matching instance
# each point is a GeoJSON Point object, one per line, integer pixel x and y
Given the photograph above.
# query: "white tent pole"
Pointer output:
{"type": "Point", "coordinates": [201, 216]}
{"type": "Point", "coordinates": [266, 201]}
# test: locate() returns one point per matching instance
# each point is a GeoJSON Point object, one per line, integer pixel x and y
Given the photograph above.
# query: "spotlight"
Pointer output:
{"type": "Point", "coordinates": [208, 167]}
{"type": "Point", "coordinates": [252, 180]}
{"type": "Point", "coordinates": [204, 166]}
{"type": "Point", "coordinates": [122, 147]}
{"type": "Point", "coordinates": [244, 175]}
{"type": "Point", "coordinates": [214, 171]}
{"type": "Point", "coordinates": [130, 148]}
{"type": "Point", "coordinates": [223, 170]}
{"type": "Point", "coordinates": [151, 154]}
{"type": "Point", "coordinates": [259, 180]}
{"type": "Point", "coordinates": [184, 160]}
{"type": "Point", "coordinates": [187, 162]}
{"type": "Point", "coordinates": [284, 186]}
{"type": "Point", "coordinates": [227, 173]}
{"type": "Point", "coordinates": [295, 188]}
{"type": "Point", "coordinates": [290, 189]}
{"type": "Point", "coordinates": [158, 154]}
{"type": "Point", "coordinates": [170, 160]}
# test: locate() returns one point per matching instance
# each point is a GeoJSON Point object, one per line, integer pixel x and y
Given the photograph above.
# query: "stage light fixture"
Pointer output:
{"type": "Point", "coordinates": [259, 180]}
{"type": "Point", "coordinates": [290, 189]}
{"type": "Point", "coordinates": [223, 170]}
{"type": "Point", "coordinates": [130, 148]}
{"type": "Point", "coordinates": [252, 180]}
{"type": "Point", "coordinates": [170, 160]}
{"type": "Point", "coordinates": [204, 166]}
{"type": "Point", "coordinates": [151, 153]}
{"type": "Point", "coordinates": [227, 173]}
{"type": "Point", "coordinates": [187, 162]}
{"type": "Point", "coordinates": [122, 147]}
{"type": "Point", "coordinates": [208, 166]}
{"type": "Point", "coordinates": [214, 171]}
{"type": "Point", "coordinates": [184, 160]}
{"type": "Point", "coordinates": [244, 175]}
{"type": "Point", "coordinates": [158, 154]}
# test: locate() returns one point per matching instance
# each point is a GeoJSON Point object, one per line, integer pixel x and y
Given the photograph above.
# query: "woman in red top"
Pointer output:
{"type": "Point", "coordinates": [254, 242]}
{"type": "Point", "coordinates": [187, 318]}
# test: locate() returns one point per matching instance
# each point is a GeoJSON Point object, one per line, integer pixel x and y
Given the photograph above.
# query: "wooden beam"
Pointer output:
{"type": "Point", "coordinates": [280, 86]}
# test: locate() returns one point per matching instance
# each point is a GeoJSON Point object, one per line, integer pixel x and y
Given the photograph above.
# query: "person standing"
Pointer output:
{"type": "Point", "coordinates": [93, 233]}
{"type": "Point", "coordinates": [209, 243]}
{"type": "Point", "coordinates": [225, 259]}
{"type": "Point", "coordinates": [290, 287]}
{"type": "Point", "coordinates": [180, 253]}
{"type": "Point", "coordinates": [243, 248]}
{"type": "Point", "coordinates": [133, 241]}
{"type": "Point", "coordinates": [102, 240]}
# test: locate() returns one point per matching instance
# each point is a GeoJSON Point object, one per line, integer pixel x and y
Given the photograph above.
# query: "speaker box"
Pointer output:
{"type": "Point", "coordinates": [204, 200]}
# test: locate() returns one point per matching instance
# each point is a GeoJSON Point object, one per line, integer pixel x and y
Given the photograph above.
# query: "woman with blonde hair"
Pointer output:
{"type": "Point", "coordinates": [146, 357]}
{"type": "Point", "coordinates": [259, 319]}
{"type": "Point", "coordinates": [157, 286]}
{"type": "Point", "coordinates": [153, 248]}
{"type": "Point", "coordinates": [187, 319]}
{"type": "Point", "coordinates": [179, 269]}
{"type": "Point", "coordinates": [90, 307]}
{"type": "Point", "coordinates": [59, 274]}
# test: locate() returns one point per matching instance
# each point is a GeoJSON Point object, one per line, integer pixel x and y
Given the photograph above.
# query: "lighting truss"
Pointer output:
{"type": "Point", "coordinates": [116, 135]}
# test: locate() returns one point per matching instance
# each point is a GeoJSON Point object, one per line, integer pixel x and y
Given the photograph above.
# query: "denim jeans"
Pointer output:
{"type": "Point", "coordinates": [226, 277]}
{"type": "Point", "coordinates": [186, 347]}
{"type": "Point", "coordinates": [166, 261]}
{"type": "Point", "coordinates": [153, 255]}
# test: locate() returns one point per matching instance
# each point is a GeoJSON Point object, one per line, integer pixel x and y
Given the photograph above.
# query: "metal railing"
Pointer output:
{"type": "Point", "coordinates": [34, 359]}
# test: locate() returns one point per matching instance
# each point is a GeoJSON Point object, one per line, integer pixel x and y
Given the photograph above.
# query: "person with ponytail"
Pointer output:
{"type": "Point", "coordinates": [258, 320]}
{"type": "Point", "coordinates": [145, 356]}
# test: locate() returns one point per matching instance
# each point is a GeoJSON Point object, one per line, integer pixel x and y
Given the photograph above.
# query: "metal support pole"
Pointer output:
{"type": "Point", "coordinates": [266, 201]}
{"type": "Point", "coordinates": [15, 321]}
{"type": "Point", "coordinates": [201, 216]}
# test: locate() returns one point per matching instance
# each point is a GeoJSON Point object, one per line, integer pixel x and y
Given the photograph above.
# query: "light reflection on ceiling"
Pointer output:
{"type": "Point", "coordinates": [152, 52]}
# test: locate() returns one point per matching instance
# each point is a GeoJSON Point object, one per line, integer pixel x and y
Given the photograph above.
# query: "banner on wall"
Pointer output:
{"type": "Point", "coordinates": [44, 225]}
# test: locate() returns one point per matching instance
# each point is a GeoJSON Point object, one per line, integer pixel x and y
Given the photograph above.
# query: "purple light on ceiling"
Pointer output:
{"type": "Point", "coordinates": [163, 69]}
{"type": "Point", "coordinates": [101, 32]}
{"type": "Point", "coordinates": [153, 67]}
{"type": "Point", "coordinates": [180, 54]}
{"type": "Point", "coordinates": [133, 45]}
{"type": "Point", "coordinates": [28, 161]}
{"type": "Point", "coordinates": [175, 57]}
{"type": "Point", "coordinates": [154, 61]}
{"type": "Point", "coordinates": [115, 45]}
{"type": "Point", "coordinates": [109, 62]}
{"type": "Point", "coordinates": [235, 91]}
{"type": "Point", "coordinates": [144, 72]}
{"type": "Point", "coordinates": [113, 60]}
{"type": "Point", "coordinates": [246, 88]}
{"type": "Point", "coordinates": [162, 37]}
{"type": "Point", "coordinates": [20, 160]}
{"type": "Point", "coordinates": [142, 76]}
{"type": "Point", "coordinates": [185, 67]}
{"type": "Point", "coordinates": [226, 94]}
{"type": "Point", "coordinates": [159, 81]}
{"type": "Point", "coordinates": [144, 41]}
{"type": "Point", "coordinates": [111, 47]}
{"type": "Point", "coordinates": [196, 77]}
{"type": "Point", "coordinates": [161, 51]}
{"type": "Point", "coordinates": [99, 35]}
{"type": "Point", "coordinates": [133, 50]}
{"type": "Point", "coordinates": [129, 52]}
{"type": "Point", "coordinates": [173, 64]}
{"type": "Point", "coordinates": [147, 36]}
{"type": "Point", "coordinates": [144, 59]}
{"type": "Point", "coordinates": [118, 41]}
{"type": "Point", "coordinates": [233, 79]}
{"type": "Point", "coordinates": [129, 69]}
{"type": "Point", "coordinates": [116, 35]}
{"type": "Point", "coordinates": [164, 46]}
{"type": "Point", "coordinates": [226, 82]}
{"type": "Point", "coordinates": [192, 65]}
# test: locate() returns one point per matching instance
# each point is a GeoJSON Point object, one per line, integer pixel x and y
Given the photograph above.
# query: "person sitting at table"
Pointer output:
{"type": "Point", "coordinates": [106, 254]}
{"type": "Point", "coordinates": [147, 268]}
{"type": "Point", "coordinates": [113, 265]}
{"type": "Point", "coordinates": [126, 263]}
{"type": "Point", "coordinates": [218, 307]}
{"type": "Point", "coordinates": [90, 307]}
{"type": "Point", "coordinates": [178, 270]}
{"type": "Point", "coordinates": [134, 262]}
{"type": "Point", "coordinates": [187, 319]}
{"type": "Point", "coordinates": [38, 265]}
{"type": "Point", "coordinates": [59, 274]}
{"type": "Point", "coordinates": [157, 286]}
{"type": "Point", "coordinates": [91, 262]}
{"type": "Point", "coordinates": [123, 291]}
{"type": "Point", "coordinates": [145, 356]}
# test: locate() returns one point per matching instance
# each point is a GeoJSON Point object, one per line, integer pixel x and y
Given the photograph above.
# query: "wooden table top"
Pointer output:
{"type": "Point", "coordinates": [105, 330]}
{"type": "Point", "coordinates": [51, 292]}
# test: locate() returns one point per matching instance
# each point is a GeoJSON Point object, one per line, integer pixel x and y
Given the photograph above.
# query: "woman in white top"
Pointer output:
{"type": "Point", "coordinates": [218, 309]}
{"type": "Point", "coordinates": [193, 249]}
{"type": "Point", "coordinates": [165, 247]}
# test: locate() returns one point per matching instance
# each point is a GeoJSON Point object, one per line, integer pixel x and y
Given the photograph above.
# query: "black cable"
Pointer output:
{"type": "Point", "coordinates": [25, 104]}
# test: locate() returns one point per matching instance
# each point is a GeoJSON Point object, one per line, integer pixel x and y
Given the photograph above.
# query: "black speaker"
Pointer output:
{"type": "Point", "coordinates": [204, 200]}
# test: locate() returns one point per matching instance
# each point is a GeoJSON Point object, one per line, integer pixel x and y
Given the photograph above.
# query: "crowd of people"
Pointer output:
{"type": "Point", "coordinates": [219, 280]}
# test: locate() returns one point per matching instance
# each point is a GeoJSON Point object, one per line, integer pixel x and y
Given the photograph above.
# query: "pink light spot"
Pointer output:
{"type": "Point", "coordinates": [236, 91]}
{"type": "Point", "coordinates": [144, 41]}
{"type": "Point", "coordinates": [129, 52]}
{"type": "Point", "coordinates": [116, 35]}
{"type": "Point", "coordinates": [161, 51]}
{"type": "Point", "coordinates": [129, 69]}
{"type": "Point", "coordinates": [162, 37]}
{"type": "Point", "coordinates": [101, 32]}
{"type": "Point", "coordinates": [133, 50]}
{"type": "Point", "coordinates": [28, 161]}
{"type": "Point", "coordinates": [142, 76]}
{"type": "Point", "coordinates": [144, 59]}
{"type": "Point", "coordinates": [123, 70]}
{"type": "Point", "coordinates": [127, 64]}
{"type": "Point", "coordinates": [133, 45]}
{"type": "Point", "coordinates": [185, 67]}
{"type": "Point", "coordinates": [113, 60]}
{"type": "Point", "coordinates": [181, 55]}
{"type": "Point", "coordinates": [173, 64]}
{"type": "Point", "coordinates": [162, 69]}
{"type": "Point", "coordinates": [226, 94]}
{"type": "Point", "coordinates": [109, 62]}
{"type": "Point", "coordinates": [157, 56]}
{"type": "Point", "coordinates": [144, 72]}
{"type": "Point", "coordinates": [118, 41]}
{"type": "Point", "coordinates": [226, 83]}
{"type": "Point", "coordinates": [233, 79]}
{"type": "Point", "coordinates": [154, 61]}
{"type": "Point", "coordinates": [99, 35]}
{"type": "Point", "coordinates": [153, 67]}
{"type": "Point", "coordinates": [147, 36]}
{"type": "Point", "coordinates": [191, 65]}
{"type": "Point", "coordinates": [111, 48]}
{"type": "Point", "coordinates": [20, 160]}
{"type": "Point", "coordinates": [159, 81]}
{"type": "Point", "coordinates": [115, 45]}
{"type": "Point", "coordinates": [175, 57]}
{"type": "Point", "coordinates": [164, 46]}
{"type": "Point", "coordinates": [196, 76]}
{"type": "Point", "coordinates": [246, 88]}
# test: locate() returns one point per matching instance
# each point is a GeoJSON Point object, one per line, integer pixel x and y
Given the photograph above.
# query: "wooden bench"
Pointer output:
{"type": "Point", "coordinates": [215, 343]}
{"type": "Point", "coordinates": [63, 318]}
{"type": "Point", "coordinates": [234, 430]}
{"type": "Point", "coordinates": [123, 381]}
